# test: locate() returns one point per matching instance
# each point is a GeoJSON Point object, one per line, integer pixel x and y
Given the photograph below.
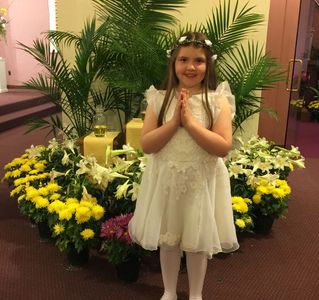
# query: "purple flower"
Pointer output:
{"type": "Point", "coordinates": [117, 227]}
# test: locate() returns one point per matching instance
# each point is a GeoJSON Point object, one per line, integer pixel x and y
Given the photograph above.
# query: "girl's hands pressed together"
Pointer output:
{"type": "Point", "coordinates": [177, 114]}
{"type": "Point", "coordinates": [186, 113]}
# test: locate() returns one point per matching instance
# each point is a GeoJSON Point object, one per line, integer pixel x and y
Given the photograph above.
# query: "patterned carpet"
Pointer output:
{"type": "Point", "coordinates": [283, 265]}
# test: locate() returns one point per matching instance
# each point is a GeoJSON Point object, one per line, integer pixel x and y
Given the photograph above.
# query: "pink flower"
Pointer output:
{"type": "Point", "coordinates": [117, 227]}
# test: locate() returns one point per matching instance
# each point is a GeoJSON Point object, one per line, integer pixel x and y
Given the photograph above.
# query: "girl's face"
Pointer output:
{"type": "Point", "coordinates": [190, 68]}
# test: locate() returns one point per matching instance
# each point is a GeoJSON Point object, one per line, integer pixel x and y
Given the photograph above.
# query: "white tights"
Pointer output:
{"type": "Point", "coordinates": [196, 270]}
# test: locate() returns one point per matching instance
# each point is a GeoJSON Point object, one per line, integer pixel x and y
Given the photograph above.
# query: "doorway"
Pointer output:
{"type": "Point", "coordinates": [293, 32]}
{"type": "Point", "coordinates": [303, 120]}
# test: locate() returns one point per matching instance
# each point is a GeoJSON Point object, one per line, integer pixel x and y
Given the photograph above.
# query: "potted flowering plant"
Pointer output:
{"type": "Point", "coordinates": [258, 171]}
{"type": "Point", "coordinates": [32, 187]}
{"type": "Point", "coordinates": [3, 22]}
{"type": "Point", "coordinates": [118, 247]}
{"type": "Point", "coordinates": [58, 186]}
{"type": "Point", "coordinates": [313, 107]}
{"type": "Point", "coordinates": [76, 223]}
{"type": "Point", "coordinates": [241, 210]}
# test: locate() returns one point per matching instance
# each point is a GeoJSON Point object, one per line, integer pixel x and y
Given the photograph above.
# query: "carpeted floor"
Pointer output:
{"type": "Point", "coordinates": [283, 265]}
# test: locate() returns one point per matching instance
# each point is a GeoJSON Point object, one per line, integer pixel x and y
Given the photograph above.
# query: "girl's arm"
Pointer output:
{"type": "Point", "coordinates": [218, 140]}
{"type": "Point", "coordinates": [154, 138]}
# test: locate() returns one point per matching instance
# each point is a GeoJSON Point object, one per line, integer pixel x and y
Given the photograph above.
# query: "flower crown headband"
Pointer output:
{"type": "Point", "coordinates": [185, 41]}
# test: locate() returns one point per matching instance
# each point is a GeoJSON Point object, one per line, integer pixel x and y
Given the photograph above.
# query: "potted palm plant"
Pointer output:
{"type": "Point", "coordinates": [126, 53]}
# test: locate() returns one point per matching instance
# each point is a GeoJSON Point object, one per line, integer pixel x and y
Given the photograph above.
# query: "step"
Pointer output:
{"type": "Point", "coordinates": [12, 102]}
{"type": "Point", "coordinates": [20, 117]}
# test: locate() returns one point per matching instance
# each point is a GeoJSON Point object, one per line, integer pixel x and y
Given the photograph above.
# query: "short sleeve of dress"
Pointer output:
{"type": "Point", "coordinates": [154, 99]}
{"type": "Point", "coordinates": [223, 90]}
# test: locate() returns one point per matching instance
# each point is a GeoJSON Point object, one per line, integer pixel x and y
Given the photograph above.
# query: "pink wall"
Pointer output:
{"type": "Point", "coordinates": [27, 20]}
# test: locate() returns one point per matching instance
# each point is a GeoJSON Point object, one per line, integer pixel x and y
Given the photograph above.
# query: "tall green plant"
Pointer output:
{"type": "Point", "coordinates": [127, 53]}
{"type": "Point", "coordinates": [143, 61]}
{"type": "Point", "coordinates": [71, 86]}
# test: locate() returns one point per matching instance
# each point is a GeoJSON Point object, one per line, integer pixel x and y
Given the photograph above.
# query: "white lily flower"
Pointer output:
{"type": "Point", "coordinates": [54, 174]}
{"type": "Point", "coordinates": [182, 39]}
{"type": "Point", "coordinates": [34, 151]}
{"type": "Point", "coordinates": [235, 170]}
{"type": "Point", "coordinates": [83, 169]}
{"type": "Point", "coordinates": [65, 159]}
{"type": "Point", "coordinates": [53, 145]}
{"type": "Point", "coordinates": [134, 190]}
{"type": "Point", "coordinates": [121, 190]}
{"type": "Point", "coordinates": [70, 145]}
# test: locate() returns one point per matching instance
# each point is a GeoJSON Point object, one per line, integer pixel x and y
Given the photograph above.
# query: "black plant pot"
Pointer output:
{"type": "Point", "coordinates": [77, 259]}
{"type": "Point", "coordinates": [44, 230]}
{"type": "Point", "coordinates": [129, 270]}
{"type": "Point", "coordinates": [262, 223]}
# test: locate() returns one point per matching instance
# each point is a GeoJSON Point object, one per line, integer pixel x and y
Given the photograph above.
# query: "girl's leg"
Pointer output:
{"type": "Point", "coordinates": [196, 270]}
{"type": "Point", "coordinates": [170, 263]}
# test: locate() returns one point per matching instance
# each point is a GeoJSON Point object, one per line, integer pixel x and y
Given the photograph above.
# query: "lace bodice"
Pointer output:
{"type": "Point", "coordinates": [182, 148]}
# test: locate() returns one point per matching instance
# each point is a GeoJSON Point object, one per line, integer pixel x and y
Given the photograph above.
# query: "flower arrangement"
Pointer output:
{"type": "Point", "coordinates": [87, 204]}
{"type": "Point", "coordinates": [76, 222]}
{"type": "Point", "coordinates": [73, 193]}
{"type": "Point", "coordinates": [298, 103]}
{"type": "Point", "coordinates": [258, 171]}
{"type": "Point", "coordinates": [241, 210]}
{"type": "Point", "coordinates": [313, 105]}
{"type": "Point", "coordinates": [117, 243]}
{"type": "Point", "coordinates": [3, 22]}
{"type": "Point", "coordinates": [27, 174]}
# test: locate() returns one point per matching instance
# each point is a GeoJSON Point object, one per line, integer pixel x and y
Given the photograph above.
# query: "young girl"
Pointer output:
{"type": "Point", "coordinates": [184, 202]}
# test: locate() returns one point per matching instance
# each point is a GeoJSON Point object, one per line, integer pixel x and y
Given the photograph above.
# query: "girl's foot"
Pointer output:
{"type": "Point", "coordinates": [168, 296]}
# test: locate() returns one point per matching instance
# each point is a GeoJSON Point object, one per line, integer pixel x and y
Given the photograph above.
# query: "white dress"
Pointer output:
{"type": "Point", "coordinates": [184, 196]}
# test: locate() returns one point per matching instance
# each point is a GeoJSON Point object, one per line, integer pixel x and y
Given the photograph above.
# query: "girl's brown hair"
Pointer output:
{"type": "Point", "coordinates": [195, 39]}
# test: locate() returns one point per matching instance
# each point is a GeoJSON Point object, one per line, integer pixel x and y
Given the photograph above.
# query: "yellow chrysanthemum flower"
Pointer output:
{"type": "Point", "coordinates": [83, 214]}
{"type": "Point", "coordinates": [87, 234]}
{"type": "Point", "coordinates": [257, 198]}
{"type": "Point", "coordinates": [58, 229]}
{"type": "Point", "coordinates": [22, 197]}
{"type": "Point", "coordinates": [56, 206]}
{"type": "Point", "coordinates": [43, 191]}
{"type": "Point", "coordinates": [97, 212]}
{"type": "Point", "coordinates": [240, 223]}
{"type": "Point", "coordinates": [16, 173]}
{"type": "Point", "coordinates": [72, 207]}
{"type": "Point", "coordinates": [41, 202]}
{"type": "Point", "coordinates": [71, 200]}
{"type": "Point", "coordinates": [248, 220]}
{"type": "Point", "coordinates": [7, 175]}
{"type": "Point", "coordinates": [34, 172]}
{"type": "Point", "coordinates": [247, 200]}
{"type": "Point", "coordinates": [55, 196]}
{"type": "Point", "coordinates": [25, 168]}
{"type": "Point", "coordinates": [278, 193]}
{"type": "Point", "coordinates": [263, 182]}
{"type": "Point", "coordinates": [86, 203]}
{"type": "Point", "coordinates": [240, 207]}
{"type": "Point", "coordinates": [65, 214]}
{"type": "Point", "coordinates": [40, 166]}
{"type": "Point", "coordinates": [53, 187]}
{"type": "Point", "coordinates": [262, 190]}
{"type": "Point", "coordinates": [31, 192]}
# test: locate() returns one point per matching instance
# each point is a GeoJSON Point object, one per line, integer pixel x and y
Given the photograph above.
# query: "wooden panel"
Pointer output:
{"type": "Point", "coordinates": [281, 41]}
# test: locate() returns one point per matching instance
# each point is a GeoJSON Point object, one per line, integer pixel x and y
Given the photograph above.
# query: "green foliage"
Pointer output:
{"type": "Point", "coordinates": [117, 251]}
{"type": "Point", "coordinates": [126, 54]}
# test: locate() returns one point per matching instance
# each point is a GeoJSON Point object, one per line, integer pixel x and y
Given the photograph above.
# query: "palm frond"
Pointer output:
{"type": "Point", "coordinates": [249, 70]}
{"type": "Point", "coordinates": [228, 26]}
{"type": "Point", "coordinates": [148, 13]}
